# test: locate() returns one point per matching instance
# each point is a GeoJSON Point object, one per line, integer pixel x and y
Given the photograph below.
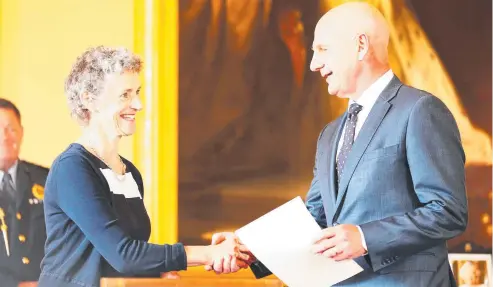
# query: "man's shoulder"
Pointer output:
{"type": "Point", "coordinates": [331, 127]}
{"type": "Point", "coordinates": [35, 169]}
{"type": "Point", "coordinates": [417, 101]}
{"type": "Point", "coordinates": [409, 96]}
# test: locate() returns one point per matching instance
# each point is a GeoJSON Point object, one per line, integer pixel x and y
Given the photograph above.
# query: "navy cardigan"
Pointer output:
{"type": "Point", "coordinates": [94, 230]}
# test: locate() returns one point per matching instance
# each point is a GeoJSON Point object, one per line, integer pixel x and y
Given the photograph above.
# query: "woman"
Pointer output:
{"type": "Point", "coordinates": [96, 222]}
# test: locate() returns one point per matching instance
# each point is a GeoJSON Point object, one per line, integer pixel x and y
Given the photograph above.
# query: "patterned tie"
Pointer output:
{"type": "Point", "coordinates": [8, 192]}
{"type": "Point", "coordinates": [348, 140]}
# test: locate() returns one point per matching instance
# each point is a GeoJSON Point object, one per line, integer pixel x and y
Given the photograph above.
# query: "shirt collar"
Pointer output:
{"type": "Point", "coordinates": [12, 171]}
{"type": "Point", "coordinates": [370, 95]}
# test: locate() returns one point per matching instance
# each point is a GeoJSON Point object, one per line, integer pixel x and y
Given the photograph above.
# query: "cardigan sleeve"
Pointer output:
{"type": "Point", "coordinates": [80, 194]}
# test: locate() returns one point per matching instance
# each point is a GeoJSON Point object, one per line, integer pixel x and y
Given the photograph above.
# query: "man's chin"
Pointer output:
{"type": "Point", "coordinates": [6, 161]}
{"type": "Point", "coordinates": [337, 93]}
{"type": "Point", "coordinates": [332, 92]}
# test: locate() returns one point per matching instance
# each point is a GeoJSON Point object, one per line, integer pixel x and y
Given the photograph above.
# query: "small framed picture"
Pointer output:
{"type": "Point", "coordinates": [471, 269]}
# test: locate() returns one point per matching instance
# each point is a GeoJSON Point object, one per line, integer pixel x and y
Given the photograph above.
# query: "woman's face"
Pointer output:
{"type": "Point", "coordinates": [118, 103]}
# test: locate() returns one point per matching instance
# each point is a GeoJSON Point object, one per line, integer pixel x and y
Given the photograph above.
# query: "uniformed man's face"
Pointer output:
{"type": "Point", "coordinates": [10, 138]}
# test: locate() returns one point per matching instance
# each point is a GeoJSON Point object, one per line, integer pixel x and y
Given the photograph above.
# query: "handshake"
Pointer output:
{"type": "Point", "coordinates": [228, 254]}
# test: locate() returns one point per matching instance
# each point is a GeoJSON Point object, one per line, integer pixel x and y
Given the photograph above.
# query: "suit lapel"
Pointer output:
{"type": "Point", "coordinates": [365, 135]}
{"type": "Point", "coordinates": [23, 182]}
{"type": "Point", "coordinates": [331, 167]}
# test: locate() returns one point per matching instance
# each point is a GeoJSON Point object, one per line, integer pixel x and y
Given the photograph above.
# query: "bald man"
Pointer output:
{"type": "Point", "coordinates": [388, 186]}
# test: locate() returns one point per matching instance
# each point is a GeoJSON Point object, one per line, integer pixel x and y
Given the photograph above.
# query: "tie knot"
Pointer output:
{"type": "Point", "coordinates": [6, 180]}
{"type": "Point", "coordinates": [354, 109]}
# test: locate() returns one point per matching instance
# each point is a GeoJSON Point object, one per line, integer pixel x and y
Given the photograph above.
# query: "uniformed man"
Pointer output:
{"type": "Point", "coordinates": [22, 224]}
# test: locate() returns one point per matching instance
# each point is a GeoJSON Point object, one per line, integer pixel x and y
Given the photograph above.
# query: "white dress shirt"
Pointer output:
{"type": "Point", "coordinates": [13, 173]}
{"type": "Point", "coordinates": [367, 100]}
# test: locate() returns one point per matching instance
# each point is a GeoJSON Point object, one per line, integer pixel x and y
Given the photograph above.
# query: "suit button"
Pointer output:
{"type": "Point", "coordinates": [25, 260]}
{"type": "Point", "coordinates": [22, 238]}
{"type": "Point", "coordinates": [18, 216]}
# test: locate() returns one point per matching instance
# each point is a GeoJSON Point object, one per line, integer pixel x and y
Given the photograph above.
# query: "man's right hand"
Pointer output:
{"type": "Point", "coordinates": [229, 263]}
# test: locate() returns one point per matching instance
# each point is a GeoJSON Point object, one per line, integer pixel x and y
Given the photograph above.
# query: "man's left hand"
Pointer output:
{"type": "Point", "coordinates": [340, 242]}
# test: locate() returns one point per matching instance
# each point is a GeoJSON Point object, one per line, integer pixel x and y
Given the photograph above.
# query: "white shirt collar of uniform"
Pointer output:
{"type": "Point", "coordinates": [370, 95]}
{"type": "Point", "coordinates": [12, 171]}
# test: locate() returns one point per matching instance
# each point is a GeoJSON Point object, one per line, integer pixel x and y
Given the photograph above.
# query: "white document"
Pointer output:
{"type": "Point", "coordinates": [282, 239]}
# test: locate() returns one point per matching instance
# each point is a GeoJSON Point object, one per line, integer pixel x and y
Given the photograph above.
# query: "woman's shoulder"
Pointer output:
{"type": "Point", "coordinates": [72, 155]}
{"type": "Point", "coordinates": [70, 171]}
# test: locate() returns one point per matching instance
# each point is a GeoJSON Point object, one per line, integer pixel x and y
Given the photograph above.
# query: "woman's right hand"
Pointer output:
{"type": "Point", "coordinates": [226, 256]}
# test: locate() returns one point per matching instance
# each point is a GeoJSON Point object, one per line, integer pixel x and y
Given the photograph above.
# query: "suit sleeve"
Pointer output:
{"type": "Point", "coordinates": [436, 164]}
{"type": "Point", "coordinates": [314, 205]}
{"type": "Point", "coordinates": [80, 195]}
{"type": "Point", "coordinates": [313, 199]}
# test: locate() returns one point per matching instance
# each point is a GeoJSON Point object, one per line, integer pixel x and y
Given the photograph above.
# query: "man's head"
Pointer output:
{"type": "Point", "coordinates": [350, 48]}
{"type": "Point", "coordinates": [11, 133]}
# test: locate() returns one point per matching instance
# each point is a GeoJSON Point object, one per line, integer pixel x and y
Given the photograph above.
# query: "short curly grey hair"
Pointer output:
{"type": "Point", "coordinates": [89, 72]}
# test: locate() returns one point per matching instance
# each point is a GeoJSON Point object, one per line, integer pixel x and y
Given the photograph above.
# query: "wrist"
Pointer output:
{"type": "Point", "coordinates": [198, 255]}
{"type": "Point", "coordinates": [363, 241]}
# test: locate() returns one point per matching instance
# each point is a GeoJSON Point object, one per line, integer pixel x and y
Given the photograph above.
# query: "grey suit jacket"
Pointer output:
{"type": "Point", "coordinates": [403, 184]}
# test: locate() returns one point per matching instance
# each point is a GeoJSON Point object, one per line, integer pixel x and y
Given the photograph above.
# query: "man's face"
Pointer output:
{"type": "Point", "coordinates": [335, 56]}
{"type": "Point", "coordinates": [11, 133]}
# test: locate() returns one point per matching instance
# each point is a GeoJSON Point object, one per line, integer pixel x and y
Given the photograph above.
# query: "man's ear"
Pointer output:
{"type": "Point", "coordinates": [363, 46]}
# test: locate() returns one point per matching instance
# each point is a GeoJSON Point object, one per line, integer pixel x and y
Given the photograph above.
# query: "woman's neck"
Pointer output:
{"type": "Point", "coordinates": [106, 146]}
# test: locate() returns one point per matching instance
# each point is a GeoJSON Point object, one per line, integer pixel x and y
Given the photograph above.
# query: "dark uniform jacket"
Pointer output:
{"type": "Point", "coordinates": [26, 230]}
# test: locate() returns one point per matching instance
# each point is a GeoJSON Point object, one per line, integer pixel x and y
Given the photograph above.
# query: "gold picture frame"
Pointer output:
{"type": "Point", "coordinates": [471, 269]}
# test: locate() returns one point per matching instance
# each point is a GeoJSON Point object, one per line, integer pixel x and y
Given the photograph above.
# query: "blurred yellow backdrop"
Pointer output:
{"type": "Point", "coordinates": [39, 42]}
